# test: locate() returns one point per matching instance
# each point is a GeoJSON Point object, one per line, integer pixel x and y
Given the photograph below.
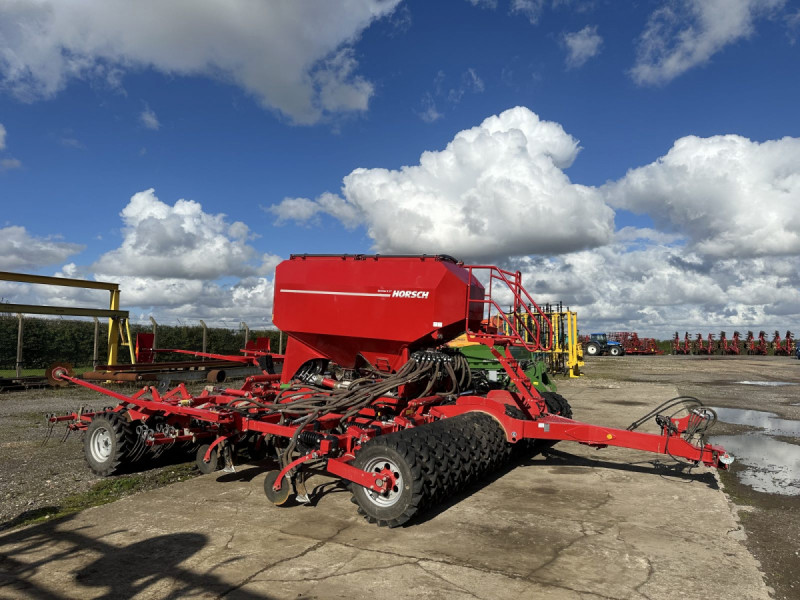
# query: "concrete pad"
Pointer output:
{"type": "Point", "coordinates": [576, 524]}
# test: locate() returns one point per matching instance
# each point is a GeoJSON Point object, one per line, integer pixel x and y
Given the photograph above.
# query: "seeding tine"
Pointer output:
{"type": "Point", "coordinates": [227, 456]}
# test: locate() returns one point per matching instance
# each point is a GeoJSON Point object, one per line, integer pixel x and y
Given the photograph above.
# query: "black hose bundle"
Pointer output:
{"type": "Point", "coordinates": [701, 419]}
{"type": "Point", "coordinates": [424, 367]}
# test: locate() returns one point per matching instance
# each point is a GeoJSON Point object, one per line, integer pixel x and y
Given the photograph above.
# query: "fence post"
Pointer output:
{"type": "Point", "coordinates": [246, 333]}
{"type": "Point", "coordinates": [96, 351]}
{"type": "Point", "coordinates": [205, 336]}
{"type": "Point", "coordinates": [155, 337]}
{"type": "Point", "coordinates": [19, 345]}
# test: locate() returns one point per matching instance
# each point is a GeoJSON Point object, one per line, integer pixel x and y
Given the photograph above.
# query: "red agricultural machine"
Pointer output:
{"type": "Point", "coordinates": [704, 348]}
{"type": "Point", "coordinates": [758, 346]}
{"type": "Point", "coordinates": [732, 347]}
{"type": "Point", "coordinates": [369, 393]}
{"type": "Point", "coordinates": [679, 347]}
{"type": "Point", "coordinates": [783, 347]}
{"type": "Point", "coordinates": [633, 344]}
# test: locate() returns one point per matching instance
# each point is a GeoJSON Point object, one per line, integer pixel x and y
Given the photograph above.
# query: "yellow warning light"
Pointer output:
{"type": "Point", "coordinates": [609, 436]}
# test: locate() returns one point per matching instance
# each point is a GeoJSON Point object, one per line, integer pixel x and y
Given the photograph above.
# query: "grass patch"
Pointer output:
{"type": "Point", "coordinates": [12, 373]}
{"type": "Point", "coordinates": [106, 491]}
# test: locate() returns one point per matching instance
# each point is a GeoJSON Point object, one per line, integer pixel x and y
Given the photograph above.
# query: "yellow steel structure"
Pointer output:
{"type": "Point", "coordinates": [566, 355]}
{"type": "Point", "coordinates": [119, 332]}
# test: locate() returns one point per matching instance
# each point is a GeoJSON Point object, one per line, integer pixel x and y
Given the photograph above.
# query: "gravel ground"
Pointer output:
{"type": "Point", "coordinates": [39, 472]}
{"type": "Point", "coordinates": [36, 475]}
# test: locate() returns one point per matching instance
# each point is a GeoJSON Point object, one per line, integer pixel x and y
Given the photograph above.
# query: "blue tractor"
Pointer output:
{"type": "Point", "coordinates": [600, 344]}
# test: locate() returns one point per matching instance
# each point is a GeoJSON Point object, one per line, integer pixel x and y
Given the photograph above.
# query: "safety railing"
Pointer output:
{"type": "Point", "coordinates": [524, 325]}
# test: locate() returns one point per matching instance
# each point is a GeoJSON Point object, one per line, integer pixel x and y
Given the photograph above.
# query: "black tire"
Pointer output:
{"type": "Point", "coordinates": [396, 506]}
{"type": "Point", "coordinates": [592, 349]}
{"type": "Point", "coordinates": [107, 443]}
{"type": "Point", "coordinates": [557, 404]}
{"type": "Point", "coordinates": [615, 351]}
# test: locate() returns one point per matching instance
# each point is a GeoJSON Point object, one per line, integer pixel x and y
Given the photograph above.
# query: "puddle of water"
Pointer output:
{"type": "Point", "coordinates": [766, 383]}
{"type": "Point", "coordinates": [771, 423]}
{"type": "Point", "coordinates": [771, 466]}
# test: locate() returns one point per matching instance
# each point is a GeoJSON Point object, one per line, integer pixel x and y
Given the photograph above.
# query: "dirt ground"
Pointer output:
{"type": "Point", "coordinates": [36, 475]}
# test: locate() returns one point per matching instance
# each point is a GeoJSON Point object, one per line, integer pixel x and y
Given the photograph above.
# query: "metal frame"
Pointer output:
{"type": "Point", "coordinates": [118, 325]}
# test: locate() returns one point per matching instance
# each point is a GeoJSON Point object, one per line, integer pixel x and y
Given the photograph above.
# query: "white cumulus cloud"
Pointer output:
{"type": "Point", "coordinates": [19, 250]}
{"type": "Point", "coordinates": [683, 34]}
{"type": "Point", "coordinates": [496, 190]}
{"type": "Point", "coordinates": [295, 57]}
{"type": "Point", "coordinates": [183, 300]}
{"type": "Point", "coordinates": [657, 289]}
{"type": "Point", "coordinates": [729, 195]}
{"type": "Point", "coordinates": [581, 46]}
{"type": "Point", "coordinates": [181, 242]}
{"type": "Point", "coordinates": [2, 137]}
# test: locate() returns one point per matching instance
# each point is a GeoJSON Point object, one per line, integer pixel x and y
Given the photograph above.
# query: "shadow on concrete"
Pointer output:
{"type": "Point", "coordinates": [677, 470]}
{"type": "Point", "coordinates": [558, 458]}
{"type": "Point", "coordinates": [151, 566]}
{"type": "Point", "coordinates": [241, 474]}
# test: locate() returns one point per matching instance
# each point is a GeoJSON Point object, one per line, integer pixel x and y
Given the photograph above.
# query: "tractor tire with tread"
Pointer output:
{"type": "Point", "coordinates": [433, 461]}
{"type": "Point", "coordinates": [396, 506]}
{"type": "Point", "coordinates": [557, 404]}
{"type": "Point", "coordinates": [108, 443]}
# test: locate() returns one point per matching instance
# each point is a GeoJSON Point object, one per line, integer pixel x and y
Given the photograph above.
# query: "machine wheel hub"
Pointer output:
{"type": "Point", "coordinates": [100, 444]}
{"type": "Point", "coordinates": [393, 484]}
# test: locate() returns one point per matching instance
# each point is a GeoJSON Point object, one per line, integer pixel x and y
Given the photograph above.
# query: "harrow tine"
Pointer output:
{"type": "Point", "coordinates": [50, 427]}
{"type": "Point", "coordinates": [139, 446]}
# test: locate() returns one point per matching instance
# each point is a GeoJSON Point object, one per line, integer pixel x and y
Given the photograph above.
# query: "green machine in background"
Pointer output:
{"type": "Point", "coordinates": [486, 370]}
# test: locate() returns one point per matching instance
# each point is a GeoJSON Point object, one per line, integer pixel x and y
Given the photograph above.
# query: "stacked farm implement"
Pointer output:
{"type": "Point", "coordinates": [633, 344]}
{"type": "Point", "coordinates": [379, 401]}
{"type": "Point", "coordinates": [783, 347]}
{"type": "Point", "coordinates": [725, 347]}
{"type": "Point", "coordinates": [679, 347]}
{"type": "Point", "coordinates": [701, 348]}
{"type": "Point", "coordinates": [751, 345]}
{"type": "Point", "coordinates": [759, 346]}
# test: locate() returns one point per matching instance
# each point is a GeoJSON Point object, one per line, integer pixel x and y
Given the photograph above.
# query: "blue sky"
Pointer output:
{"type": "Point", "coordinates": [580, 141]}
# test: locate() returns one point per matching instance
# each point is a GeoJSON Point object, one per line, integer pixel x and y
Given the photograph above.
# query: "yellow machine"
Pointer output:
{"type": "Point", "coordinates": [566, 355]}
